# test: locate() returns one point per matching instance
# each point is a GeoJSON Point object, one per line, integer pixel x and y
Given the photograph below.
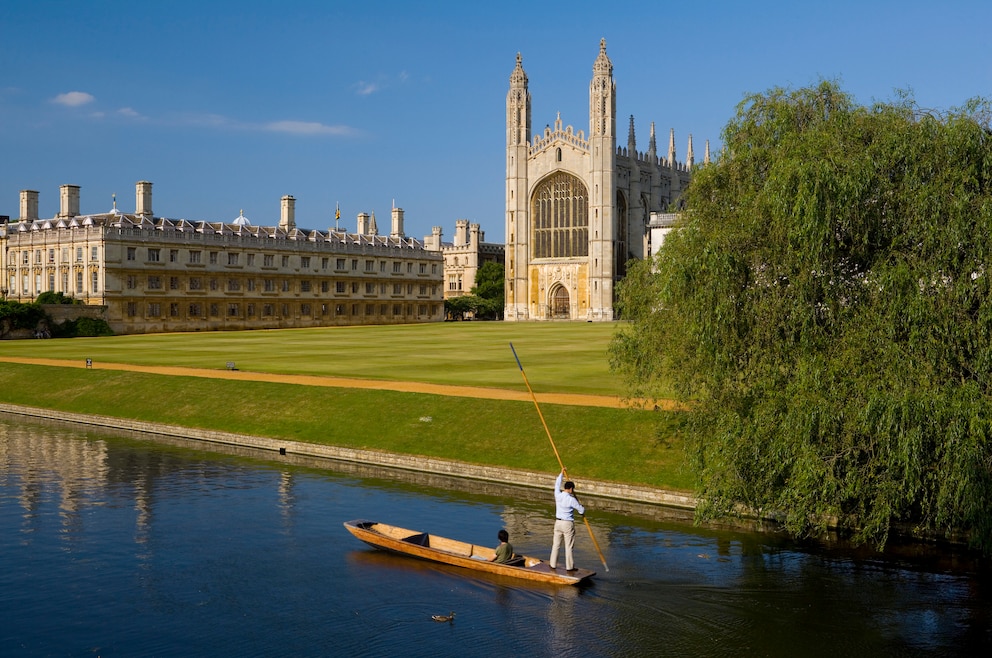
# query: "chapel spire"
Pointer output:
{"type": "Point", "coordinates": [602, 97]}
{"type": "Point", "coordinates": [688, 157]}
{"type": "Point", "coordinates": [518, 107]}
{"type": "Point", "coordinates": [671, 148]}
{"type": "Point", "coordinates": [518, 79]}
{"type": "Point", "coordinates": [602, 66]}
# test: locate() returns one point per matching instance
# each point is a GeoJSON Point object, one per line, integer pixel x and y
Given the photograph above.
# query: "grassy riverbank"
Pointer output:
{"type": "Point", "coordinates": [596, 443]}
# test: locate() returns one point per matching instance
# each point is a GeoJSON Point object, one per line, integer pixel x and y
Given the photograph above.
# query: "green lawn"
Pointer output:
{"type": "Point", "coordinates": [557, 357]}
{"type": "Point", "coordinates": [622, 445]}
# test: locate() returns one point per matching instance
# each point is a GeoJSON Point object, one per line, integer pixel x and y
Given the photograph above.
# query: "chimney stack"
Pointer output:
{"type": "Point", "coordinates": [29, 206]}
{"type": "Point", "coordinates": [397, 231]}
{"type": "Point", "coordinates": [287, 218]}
{"type": "Point", "coordinates": [68, 201]}
{"type": "Point", "coordinates": [143, 198]}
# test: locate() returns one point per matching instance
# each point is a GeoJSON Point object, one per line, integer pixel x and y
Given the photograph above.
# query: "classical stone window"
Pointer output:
{"type": "Point", "coordinates": [560, 211]}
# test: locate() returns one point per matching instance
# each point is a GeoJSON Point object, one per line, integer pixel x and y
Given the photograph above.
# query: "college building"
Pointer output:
{"type": "Point", "coordinates": [153, 274]}
{"type": "Point", "coordinates": [579, 207]}
{"type": "Point", "coordinates": [464, 256]}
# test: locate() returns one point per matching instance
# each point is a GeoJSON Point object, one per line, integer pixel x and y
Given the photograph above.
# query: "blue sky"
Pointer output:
{"type": "Point", "coordinates": [227, 106]}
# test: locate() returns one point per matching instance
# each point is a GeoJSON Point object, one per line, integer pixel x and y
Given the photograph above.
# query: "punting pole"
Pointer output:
{"type": "Point", "coordinates": [543, 422]}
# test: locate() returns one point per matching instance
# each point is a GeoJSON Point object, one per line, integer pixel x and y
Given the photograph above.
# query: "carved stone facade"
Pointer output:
{"type": "Point", "coordinates": [577, 208]}
{"type": "Point", "coordinates": [155, 274]}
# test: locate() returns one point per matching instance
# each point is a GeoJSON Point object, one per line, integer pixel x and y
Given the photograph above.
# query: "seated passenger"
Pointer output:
{"type": "Point", "coordinates": [504, 552]}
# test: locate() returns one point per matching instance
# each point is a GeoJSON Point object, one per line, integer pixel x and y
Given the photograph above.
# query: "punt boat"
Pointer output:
{"type": "Point", "coordinates": [460, 554]}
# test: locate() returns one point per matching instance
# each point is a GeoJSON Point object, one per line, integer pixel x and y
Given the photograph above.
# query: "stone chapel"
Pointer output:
{"type": "Point", "coordinates": [579, 208]}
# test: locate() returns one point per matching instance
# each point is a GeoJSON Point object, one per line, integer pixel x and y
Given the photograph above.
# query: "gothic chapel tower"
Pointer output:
{"type": "Point", "coordinates": [577, 209]}
{"type": "Point", "coordinates": [517, 136]}
{"type": "Point", "coordinates": [559, 214]}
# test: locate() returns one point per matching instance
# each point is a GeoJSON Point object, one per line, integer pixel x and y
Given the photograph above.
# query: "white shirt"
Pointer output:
{"type": "Point", "coordinates": [565, 502]}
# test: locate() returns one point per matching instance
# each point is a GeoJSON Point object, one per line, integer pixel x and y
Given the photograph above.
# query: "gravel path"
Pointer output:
{"type": "Point", "coordinates": [345, 382]}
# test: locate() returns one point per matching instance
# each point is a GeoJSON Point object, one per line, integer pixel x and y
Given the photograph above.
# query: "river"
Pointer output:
{"type": "Point", "coordinates": [117, 545]}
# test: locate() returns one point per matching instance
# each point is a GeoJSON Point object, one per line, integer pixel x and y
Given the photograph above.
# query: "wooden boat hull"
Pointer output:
{"type": "Point", "coordinates": [460, 554]}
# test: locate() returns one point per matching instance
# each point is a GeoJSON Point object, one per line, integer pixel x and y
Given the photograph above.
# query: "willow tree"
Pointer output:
{"type": "Point", "coordinates": [825, 308]}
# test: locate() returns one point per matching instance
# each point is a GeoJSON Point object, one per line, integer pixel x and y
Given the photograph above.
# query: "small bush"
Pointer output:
{"type": "Point", "coordinates": [49, 297]}
{"type": "Point", "coordinates": [83, 327]}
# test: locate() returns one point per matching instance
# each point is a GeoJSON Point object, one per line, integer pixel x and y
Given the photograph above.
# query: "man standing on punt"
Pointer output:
{"type": "Point", "coordinates": [565, 505]}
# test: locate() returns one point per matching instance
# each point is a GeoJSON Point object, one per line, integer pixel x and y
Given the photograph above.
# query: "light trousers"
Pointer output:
{"type": "Point", "coordinates": [564, 530]}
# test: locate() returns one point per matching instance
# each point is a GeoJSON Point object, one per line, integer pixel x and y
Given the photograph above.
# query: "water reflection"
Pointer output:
{"type": "Point", "coordinates": [123, 545]}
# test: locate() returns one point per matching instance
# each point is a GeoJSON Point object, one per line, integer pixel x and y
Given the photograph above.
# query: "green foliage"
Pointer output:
{"type": "Point", "coordinates": [49, 297]}
{"type": "Point", "coordinates": [489, 281]}
{"type": "Point", "coordinates": [15, 315]}
{"type": "Point", "coordinates": [82, 327]}
{"type": "Point", "coordinates": [461, 306]}
{"type": "Point", "coordinates": [825, 306]}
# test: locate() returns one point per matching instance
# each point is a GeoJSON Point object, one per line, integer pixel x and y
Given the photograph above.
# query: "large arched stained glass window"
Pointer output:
{"type": "Point", "coordinates": [560, 215]}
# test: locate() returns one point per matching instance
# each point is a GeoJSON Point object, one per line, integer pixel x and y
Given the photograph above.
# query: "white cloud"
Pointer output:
{"type": "Point", "coordinates": [74, 98]}
{"type": "Point", "coordinates": [366, 88]}
{"type": "Point", "coordinates": [307, 128]}
{"type": "Point", "coordinates": [130, 113]}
